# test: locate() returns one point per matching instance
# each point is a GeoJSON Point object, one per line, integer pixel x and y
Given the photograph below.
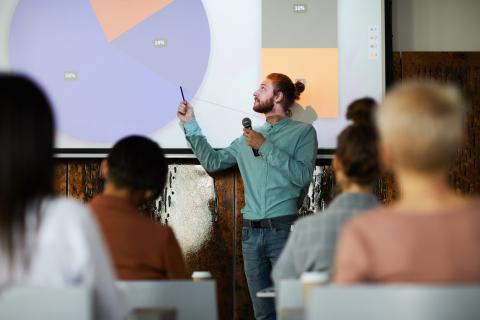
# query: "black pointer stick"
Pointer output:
{"type": "Point", "coordinates": [183, 97]}
{"type": "Point", "coordinates": [181, 91]}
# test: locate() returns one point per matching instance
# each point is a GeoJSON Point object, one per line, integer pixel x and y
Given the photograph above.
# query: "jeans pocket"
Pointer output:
{"type": "Point", "coordinates": [282, 233]}
{"type": "Point", "coordinates": [246, 233]}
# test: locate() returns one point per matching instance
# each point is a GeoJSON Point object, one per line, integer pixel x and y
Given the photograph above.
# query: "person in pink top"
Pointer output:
{"type": "Point", "coordinates": [430, 234]}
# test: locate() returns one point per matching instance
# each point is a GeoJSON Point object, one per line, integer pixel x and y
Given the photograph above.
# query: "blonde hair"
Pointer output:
{"type": "Point", "coordinates": [422, 123]}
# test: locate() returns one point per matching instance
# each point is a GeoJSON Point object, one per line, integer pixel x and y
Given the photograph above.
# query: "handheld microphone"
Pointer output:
{"type": "Point", "coordinates": [247, 124]}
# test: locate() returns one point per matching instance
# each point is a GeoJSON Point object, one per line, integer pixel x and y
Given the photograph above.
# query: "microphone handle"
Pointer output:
{"type": "Point", "coordinates": [255, 151]}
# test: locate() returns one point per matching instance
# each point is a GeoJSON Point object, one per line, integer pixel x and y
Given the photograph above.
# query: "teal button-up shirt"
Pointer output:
{"type": "Point", "coordinates": [275, 182]}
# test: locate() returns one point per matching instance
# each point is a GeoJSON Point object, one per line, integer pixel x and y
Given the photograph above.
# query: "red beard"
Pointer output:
{"type": "Point", "coordinates": [263, 106]}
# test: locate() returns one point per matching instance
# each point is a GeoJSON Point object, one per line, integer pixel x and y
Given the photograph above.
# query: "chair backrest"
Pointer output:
{"type": "Point", "coordinates": [289, 300]}
{"type": "Point", "coordinates": [19, 303]}
{"type": "Point", "coordinates": [395, 302]}
{"type": "Point", "coordinates": [191, 299]}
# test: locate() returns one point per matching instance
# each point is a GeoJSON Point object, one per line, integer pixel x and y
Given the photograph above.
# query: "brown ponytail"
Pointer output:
{"type": "Point", "coordinates": [357, 144]}
{"type": "Point", "coordinates": [361, 111]}
{"type": "Point", "coordinates": [291, 91]}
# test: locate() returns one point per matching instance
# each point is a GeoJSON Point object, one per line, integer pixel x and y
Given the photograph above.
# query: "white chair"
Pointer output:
{"type": "Point", "coordinates": [289, 301]}
{"type": "Point", "coordinates": [394, 302]}
{"type": "Point", "coordinates": [19, 303]}
{"type": "Point", "coordinates": [190, 299]}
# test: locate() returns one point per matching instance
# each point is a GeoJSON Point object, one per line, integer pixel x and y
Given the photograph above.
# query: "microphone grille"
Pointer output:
{"type": "Point", "coordinates": [246, 122]}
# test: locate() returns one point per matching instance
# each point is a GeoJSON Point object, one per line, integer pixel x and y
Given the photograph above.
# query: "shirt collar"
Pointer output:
{"type": "Point", "coordinates": [280, 124]}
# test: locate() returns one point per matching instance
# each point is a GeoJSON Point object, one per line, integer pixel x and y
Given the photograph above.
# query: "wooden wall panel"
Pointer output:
{"type": "Point", "coordinates": [60, 177]}
{"type": "Point", "coordinates": [386, 189]}
{"type": "Point", "coordinates": [224, 222]}
{"type": "Point", "coordinates": [462, 69]}
{"type": "Point", "coordinates": [397, 66]}
{"type": "Point", "coordinates": [84, 180]}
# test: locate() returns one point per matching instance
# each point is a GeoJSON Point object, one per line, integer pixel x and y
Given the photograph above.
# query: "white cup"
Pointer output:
{"type": "Point", "coordinates": [201, 275]}
{"type": "Point", "coordinates": [310, 280]}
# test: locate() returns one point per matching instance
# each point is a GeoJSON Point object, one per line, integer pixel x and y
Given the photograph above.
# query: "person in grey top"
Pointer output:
{"type": "Point", "coordinates": [311, 245]}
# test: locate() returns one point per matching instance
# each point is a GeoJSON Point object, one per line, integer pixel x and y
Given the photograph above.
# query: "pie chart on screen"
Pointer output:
{"type": "Point", "coordinates": [111, 68]}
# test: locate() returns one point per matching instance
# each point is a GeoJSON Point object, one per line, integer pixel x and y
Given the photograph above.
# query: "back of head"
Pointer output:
{"type": "Point", "coordinates": [137, 163]}
{"type": "Point", "coordinates": [291, 91]}
{"type": "Point", "coordinates": [357, 144]}
{"type": "Point", "coordinates": [26, 164]}
{"type": "Point", "coordinates": [361, 111]}
{"type": "Point", "coordinates": [422, 122]}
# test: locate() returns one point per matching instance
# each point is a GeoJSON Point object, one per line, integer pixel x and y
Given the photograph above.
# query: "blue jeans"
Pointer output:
{"type": "Point", "coordinates": [261, 250]}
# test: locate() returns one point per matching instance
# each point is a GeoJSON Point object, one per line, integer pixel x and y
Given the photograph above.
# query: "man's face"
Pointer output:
{"type": "Point", "coordinates": [263, 97]}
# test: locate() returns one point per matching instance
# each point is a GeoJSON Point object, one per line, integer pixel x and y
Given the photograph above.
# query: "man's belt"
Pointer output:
{"type": "Point", "coordinates": [282, 222]}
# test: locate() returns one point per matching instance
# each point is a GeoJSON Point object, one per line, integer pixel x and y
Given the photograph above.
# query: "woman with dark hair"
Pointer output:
{"type": "Point", "coordinates": [44, 241]}
{"type": "Point", "coordinates": [311, 246]}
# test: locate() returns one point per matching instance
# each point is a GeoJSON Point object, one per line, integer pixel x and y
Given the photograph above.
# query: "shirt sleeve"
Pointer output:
{"type": "Point", "coordinates": [211, 159]}
{"type": "Point", "coordinates": [351, 261]}
{"type": "Point", "coordinates": [173, 257]}
{"type": "Point", "coordinates": [298, 167]}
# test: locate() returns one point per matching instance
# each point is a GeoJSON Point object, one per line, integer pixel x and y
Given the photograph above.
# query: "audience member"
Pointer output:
{"type": "Point", "coordinates": [311, 245]}
{"type": "Point", "coordinates": [430, 234]}
{"type": "Point", "coordinates": [44, 241]}
{"type": "Point", "coordinates": [136, 171]}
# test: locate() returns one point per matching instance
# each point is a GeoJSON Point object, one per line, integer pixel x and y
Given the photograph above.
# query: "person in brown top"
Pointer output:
{"type": "Point", "coordinates": [135, 171]}
{"type": "Point", "coordinates": [430, 234]}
